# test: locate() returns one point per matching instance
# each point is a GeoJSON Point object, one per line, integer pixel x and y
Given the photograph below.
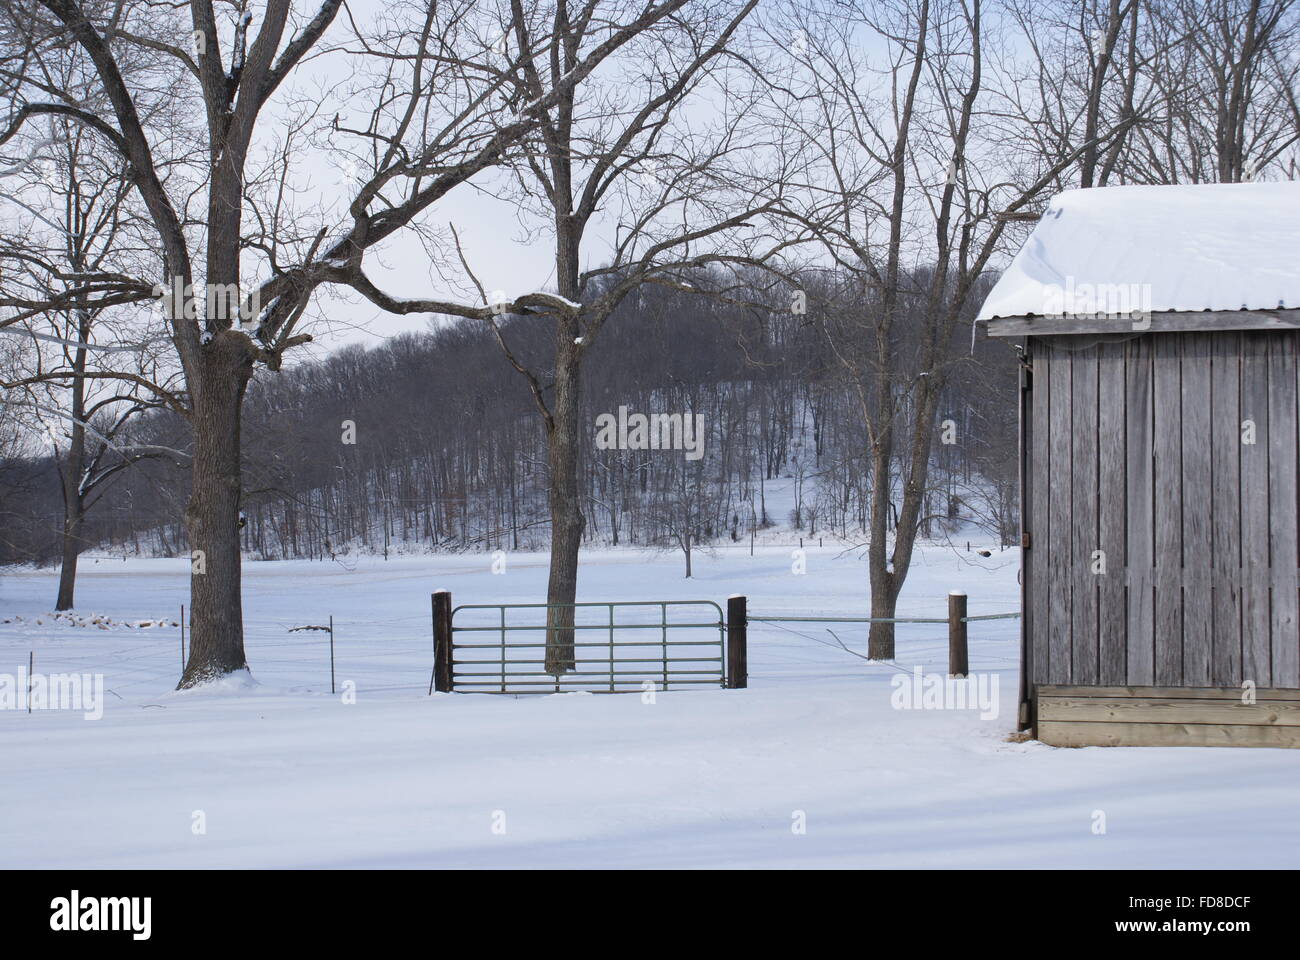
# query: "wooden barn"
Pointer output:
{"type": "Point", "coordinates": [1160, 329]}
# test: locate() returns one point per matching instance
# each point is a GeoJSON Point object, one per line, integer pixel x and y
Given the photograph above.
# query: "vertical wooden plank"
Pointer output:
{"type": "Point", "coordinates": [1167, 438]}
{"type": "Point", "coordinates": [1140, 523]}
{"type": "Point", "coordinates": [1225, 521]}
{"type": "Point", "coordinates": [1059, 559]}
{"type": "Point", "coordinates": [1112, 478]}
{"type": "Point", "coordinates": [1197, 486]}
{"type": "Point", "coordinates": [1285, 648]}
{"type": "Point", "coordinates": [1025, 425]}
{"type": "Point", "coordinates": [1040, 542]}
{"type": "Point", "coordinates": [1256, 659]}
{"type": "Point", "coordinates": [1084, 534]}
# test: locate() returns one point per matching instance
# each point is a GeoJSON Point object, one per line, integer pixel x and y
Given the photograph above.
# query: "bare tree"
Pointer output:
{"type": "Point", "coordinates": [916, 181]}
{"type": "Point", "coordinates": [1235, 111]}
{"type": "Point", "coordinates": [613, 153]}
{"type": "Point", "coordinates": [1089, 63]}
{"type": "Point", "coordinates": [437, 121]}
{"type": "Point", "coordinates": [86, 220]}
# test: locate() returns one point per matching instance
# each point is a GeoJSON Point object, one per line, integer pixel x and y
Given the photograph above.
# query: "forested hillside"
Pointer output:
{"type": "Point", "coordinates": [431, 441]}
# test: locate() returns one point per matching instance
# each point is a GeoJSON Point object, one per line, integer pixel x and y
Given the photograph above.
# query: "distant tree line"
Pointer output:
{"type": "Point", "coordinates": [429, 440]}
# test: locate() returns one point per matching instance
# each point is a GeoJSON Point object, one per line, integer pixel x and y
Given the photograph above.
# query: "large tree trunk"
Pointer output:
{"type": "Point", "coordinates": [73, 500]}
{"type": "Point", "coordinates": [71, 551]}
{"type": "Point", "coordinates": [212, 514]}
{"type": "Point", "coordinates": [889, 575]}
{"type": "Point", "coordinates": [884, 594]}
{"type": "Point", "coordinates": [884, 603]}
{"type": "Point", "coordinates": [567, 521]}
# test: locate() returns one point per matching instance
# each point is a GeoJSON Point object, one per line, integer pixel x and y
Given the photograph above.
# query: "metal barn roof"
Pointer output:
{"type": "Point", "coordinates": [1172, 249]}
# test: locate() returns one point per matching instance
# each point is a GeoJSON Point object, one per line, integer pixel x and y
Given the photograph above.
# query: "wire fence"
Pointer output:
{"type": "Point", "coordinates": [389, 655]}
{"type": "Point", "coordinates": [985, 616]}
{"type": "Point", "coordinates": [393, 655]}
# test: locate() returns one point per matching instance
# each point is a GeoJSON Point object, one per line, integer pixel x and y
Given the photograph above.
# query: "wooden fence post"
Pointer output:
{"type": "Point", "coordinates": [958, 660]}
{"type": "Point", "coordinates": [737, 643]}
{"type": "Point", "coordinates": [441, 679]}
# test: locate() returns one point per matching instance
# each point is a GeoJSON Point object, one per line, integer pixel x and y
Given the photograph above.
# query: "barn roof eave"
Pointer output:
{"type": "Point", "coordinates": [1171, 321]}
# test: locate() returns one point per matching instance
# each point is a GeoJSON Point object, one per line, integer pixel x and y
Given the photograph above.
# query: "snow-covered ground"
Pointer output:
{"type": "Point", "coordinates": [284, 774]}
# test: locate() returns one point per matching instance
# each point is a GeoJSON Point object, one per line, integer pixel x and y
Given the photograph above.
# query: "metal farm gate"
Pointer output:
{"type": "Point", "coordinates": [619, 646]}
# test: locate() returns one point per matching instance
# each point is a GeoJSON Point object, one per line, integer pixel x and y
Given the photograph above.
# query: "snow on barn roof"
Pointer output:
{"type": "Point", "coordinates": [1216, 247]}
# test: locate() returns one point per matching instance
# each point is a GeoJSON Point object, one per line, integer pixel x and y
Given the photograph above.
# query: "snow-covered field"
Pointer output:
{"type": "Point", "coordinates": [285, 775]}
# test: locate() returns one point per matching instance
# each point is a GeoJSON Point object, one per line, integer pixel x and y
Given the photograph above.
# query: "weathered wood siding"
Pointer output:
{"type": "Point", "coordinates": [1180, 716]}
{"type": "Point", "coordinates": [1164, 543]}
